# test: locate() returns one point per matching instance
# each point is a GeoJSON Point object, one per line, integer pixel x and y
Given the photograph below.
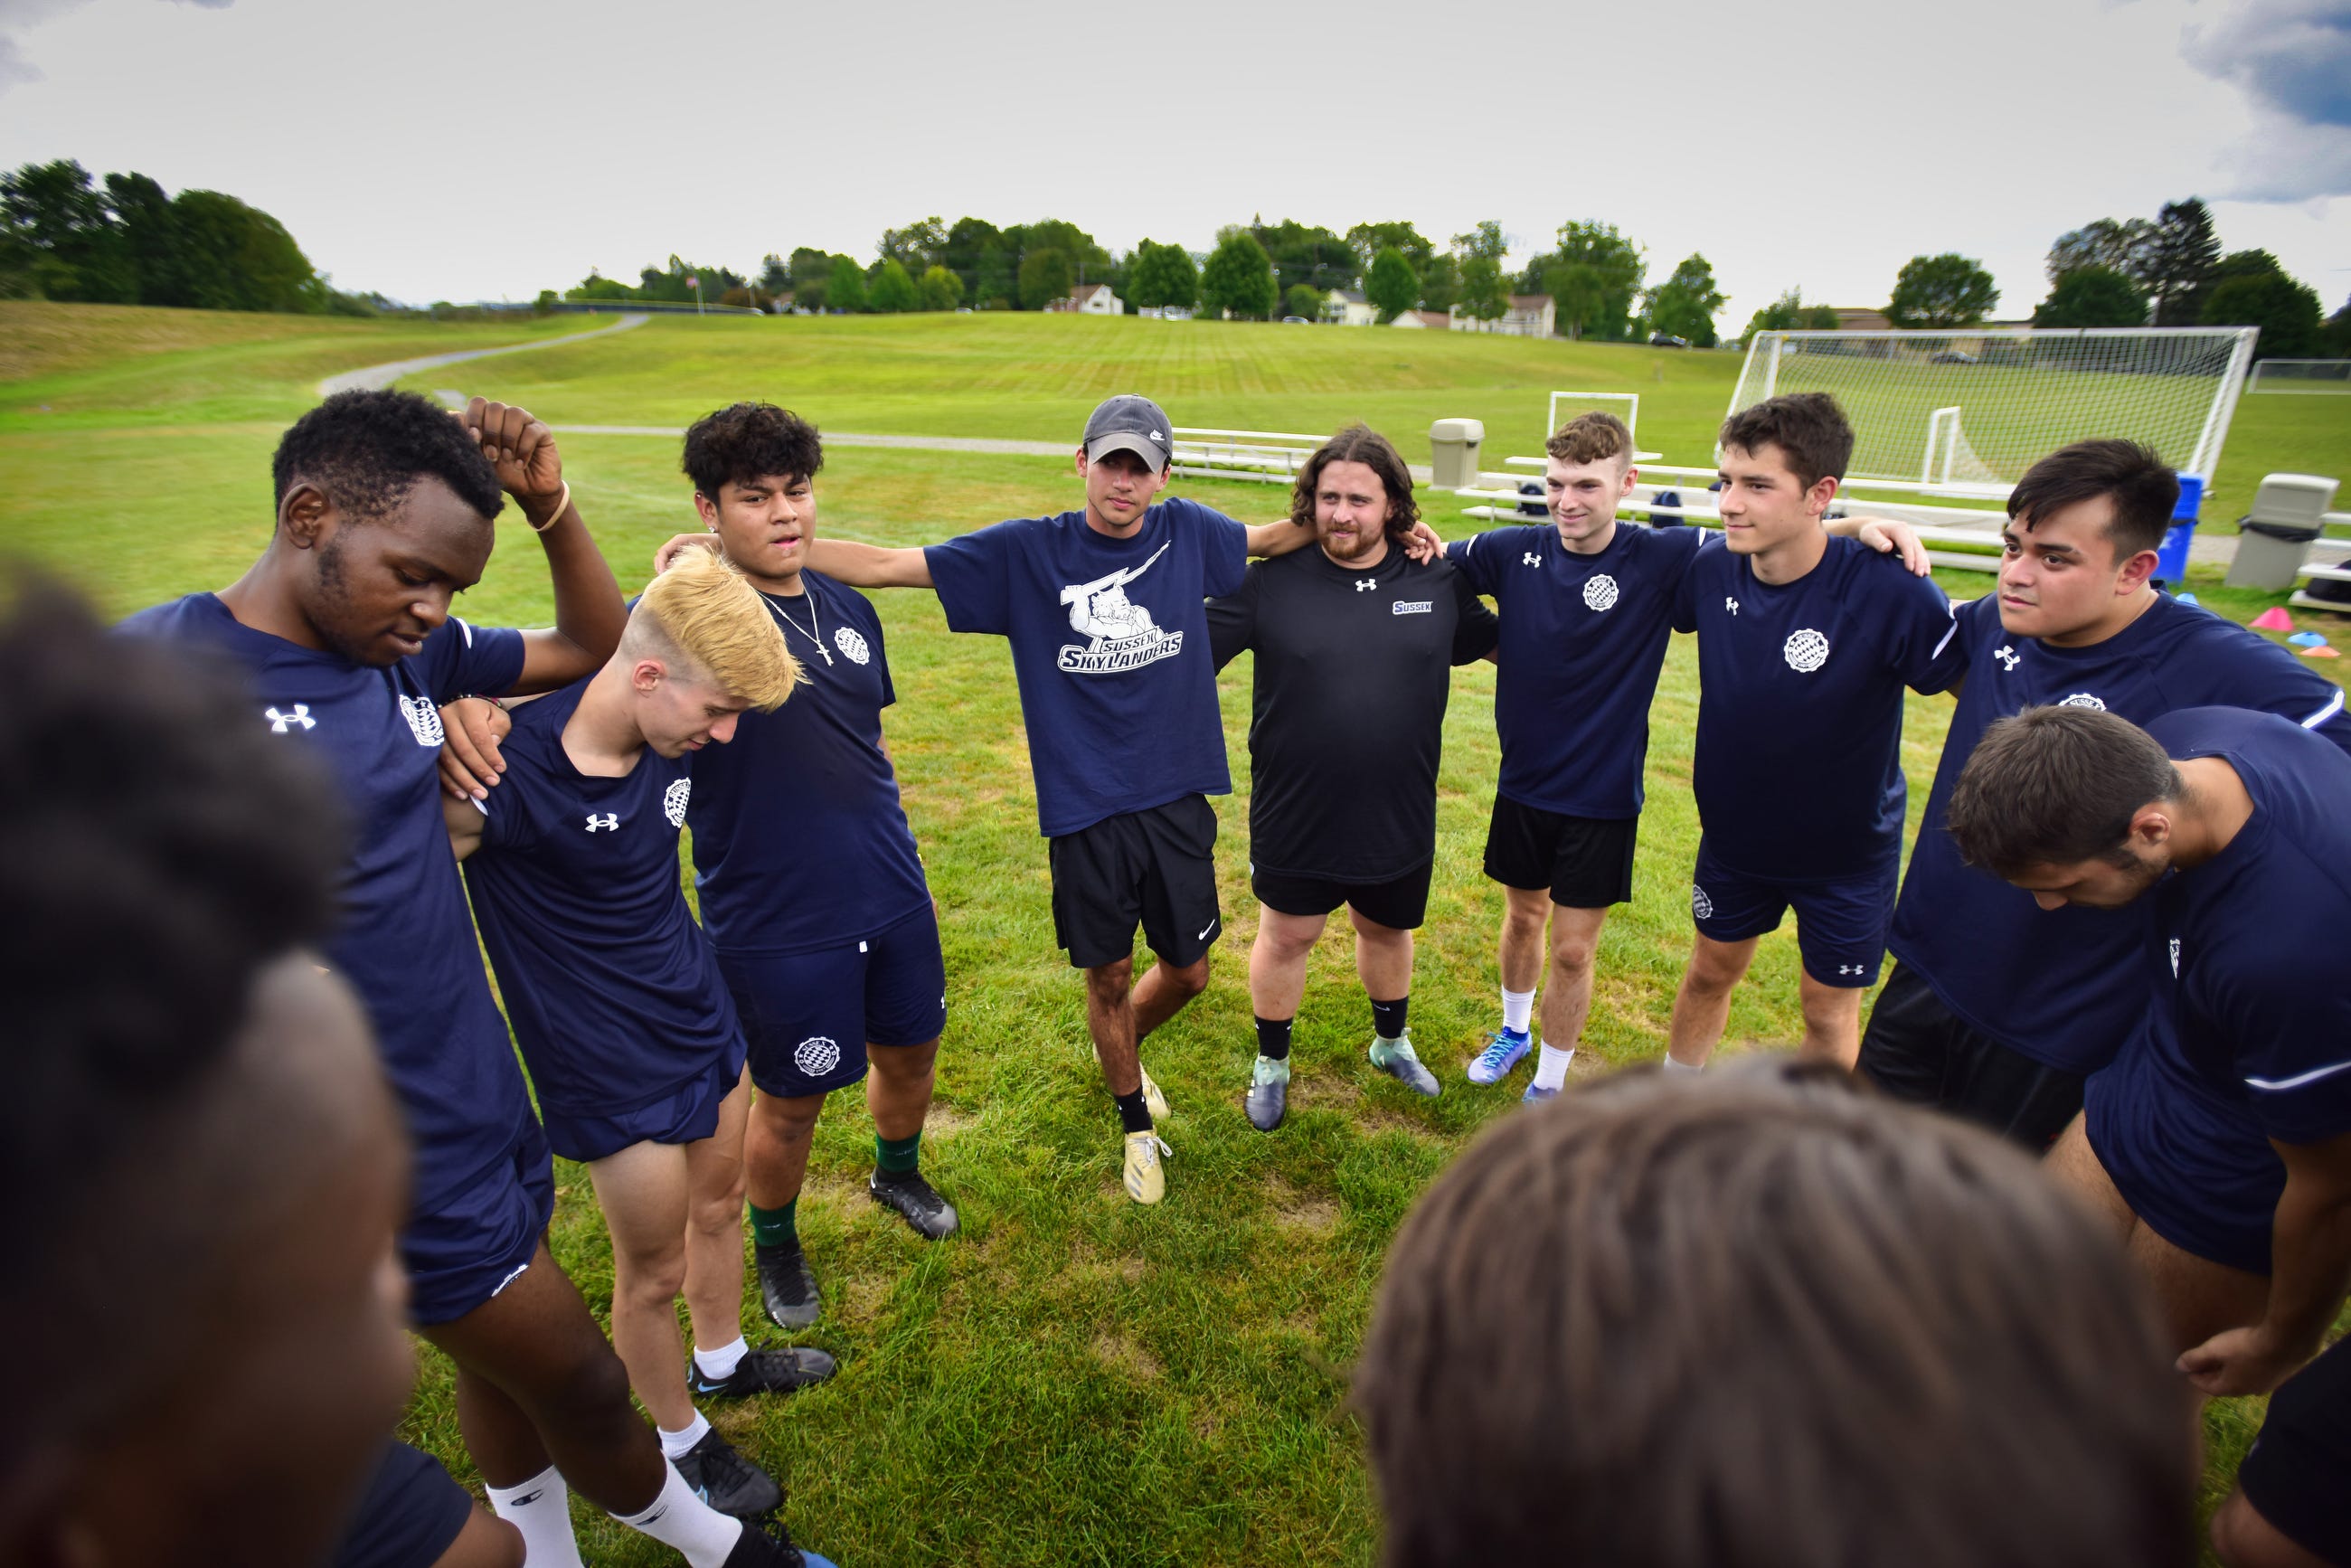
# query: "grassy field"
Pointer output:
{"type": "Point", "coordinates": [1073, 1380]}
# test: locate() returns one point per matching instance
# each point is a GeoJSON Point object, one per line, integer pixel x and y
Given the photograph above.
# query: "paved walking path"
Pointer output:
{"type": "Point", "coordinates": [377, 376]}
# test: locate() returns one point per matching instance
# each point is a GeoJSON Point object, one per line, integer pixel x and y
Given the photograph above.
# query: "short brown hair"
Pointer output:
{"type": "Point", "coordinates": [2143, 487]}
{"type": "Point", "coordinates": [1359, 443]}
{"type": "Point", "coordinates": [1762, 1320]}
{"type": "Point", "coordinates": [1591, 437]}
{"type": "Point", "coordinates": [1808, 428]}
{"type": "Point", "coordinates": [2056, 786]}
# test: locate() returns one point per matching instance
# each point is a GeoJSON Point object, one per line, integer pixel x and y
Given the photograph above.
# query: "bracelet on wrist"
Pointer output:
{"type": "Point", "coordinates": [562, 505]}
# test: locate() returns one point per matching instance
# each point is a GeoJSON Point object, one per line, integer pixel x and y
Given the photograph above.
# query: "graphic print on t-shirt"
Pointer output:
{"type": "Point", "coordinates": [1124, 637]}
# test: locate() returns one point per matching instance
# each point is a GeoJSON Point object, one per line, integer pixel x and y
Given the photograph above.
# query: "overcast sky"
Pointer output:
{"type": "Point", "coordinates": [436, 150]}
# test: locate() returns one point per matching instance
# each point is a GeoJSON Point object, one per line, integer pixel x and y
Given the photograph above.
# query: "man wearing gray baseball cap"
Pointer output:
{"type": "Point", "coordinates": [1105, 610]}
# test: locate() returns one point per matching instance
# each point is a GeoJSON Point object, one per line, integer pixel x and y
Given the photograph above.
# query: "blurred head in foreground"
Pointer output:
{"type": "Point", "coordinates": [1759, 1320]}
{"type": "Point", "coordinates": [200, 1169]}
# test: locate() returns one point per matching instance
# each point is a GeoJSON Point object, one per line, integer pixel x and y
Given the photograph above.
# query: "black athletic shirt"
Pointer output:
{"type": "Point", "coordinates": [1353, 669]}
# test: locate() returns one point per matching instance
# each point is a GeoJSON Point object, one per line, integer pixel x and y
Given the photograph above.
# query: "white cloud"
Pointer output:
{"type": "Point", "coordinates": [2292, 61]}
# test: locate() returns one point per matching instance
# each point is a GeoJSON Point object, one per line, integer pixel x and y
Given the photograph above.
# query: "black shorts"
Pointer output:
{"type": "Point", "coordinates": [1400, 903]}
{"type": "Point", "coordinates": [2298, 1472]}
{"type": "Point", "coordinates": [1586, 862]}
{"type": "Point", "coordinates": [1157, 867]}
{"type": "Point", "coordinates": [1915, 1049]}
{"type": "Point", "coordinates": [412, 1513]}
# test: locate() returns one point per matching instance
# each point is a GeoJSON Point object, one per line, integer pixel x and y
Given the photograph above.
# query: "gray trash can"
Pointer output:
{"type": "Point", "coordinates": [2273, 538]}
{"type": "Point", "coordinates": [1453, 452]}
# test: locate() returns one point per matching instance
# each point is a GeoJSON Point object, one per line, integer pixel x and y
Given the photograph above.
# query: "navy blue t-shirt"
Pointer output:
{"type": "Point", "coordinates": [1799, 770]}
{"type": "Point", "coordinates": [405, 943]}
{"type": "Point", "coordinates": [2246, 1014]}
{"type": "Point", "coordinates": [1584, 637]}
{"type": "Point", "coordinates": [614, 996]}
{"type": "Point", "coordinates": [2061, 985]}
{"type": "Point", "coordinates": [800, 839]}
{"type": "Point", "coordinates": [1109, 645]}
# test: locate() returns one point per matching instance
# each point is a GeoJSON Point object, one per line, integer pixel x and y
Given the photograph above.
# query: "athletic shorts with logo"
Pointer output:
{"type": "Point", "coordinates": [685, 1114]}
{"type": "Point", "coordinates": [1840, 925]}
{"type": "Point", "coordinates": [809, 1016]}
{"type": "Point", "coordinates": [1400, 903]}
{"type": "Point", "coordinates": [413, 1511]}
{"type": "Point", "coordinates": [2298, 1473]}
{"type": "Point", "coordinates": [1155, 868]}
{"type": "Point", "coordinates": [481, 1239]}
{"type": "Point", "coordinates": [1586, 862]}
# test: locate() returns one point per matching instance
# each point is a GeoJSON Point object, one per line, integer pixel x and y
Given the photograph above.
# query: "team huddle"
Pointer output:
{"type": "Point", "coordinates": [2087, 957]}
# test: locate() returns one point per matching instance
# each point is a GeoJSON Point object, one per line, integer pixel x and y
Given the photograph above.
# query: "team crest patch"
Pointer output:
{"type": "Point", "coordinates": [2084, 699]}
{"type": "Point", "coordinates": [423, 719]}
{"type": "Point", "coordinates": [1806, 651]}
{"type": "Point", "coordinates": [815, 1055]}
{"type": "Point", "coordinates": [1599, 591]}
{"type": "Point", "coordinates": [851, 643]}
{"type": "Point", "coordinates": [674, 800]}
{"type": "Point", "coordinates": [1122, 634]}
{"type": "Point", "coordinates": [1701, 905]}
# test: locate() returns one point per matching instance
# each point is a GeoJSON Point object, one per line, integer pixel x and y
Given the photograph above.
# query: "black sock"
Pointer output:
{"type": "Point", "coordinates": [1273, 1037]}
{"type": "Point", "coordinates": [1387, 1018]}
{"type": "Point", "coordinates": [1133, 1114]}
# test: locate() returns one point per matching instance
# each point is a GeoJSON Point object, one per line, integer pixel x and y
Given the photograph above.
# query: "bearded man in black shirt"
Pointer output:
{"type": "Point", "coordinates": [1355, 643]}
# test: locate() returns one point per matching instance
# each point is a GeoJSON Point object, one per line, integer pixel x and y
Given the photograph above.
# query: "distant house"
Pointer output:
{"type": "Point", "coordinates": [1348, 308]}
{"type": "Point", "coordinates": [1862, 319]}
{"type": "Point", "coordinates": [1165, 312]}
{"type": "Point", "coordinates": [1090, 300]}
{"type": "Point", "coordinates": [1433, 320]}
{"type": "Point", "coordinates": [1525, 316]}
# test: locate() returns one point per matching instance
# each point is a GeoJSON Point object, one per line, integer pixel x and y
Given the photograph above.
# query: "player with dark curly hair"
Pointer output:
{"type": "Point", "coordinates": [384, 510]}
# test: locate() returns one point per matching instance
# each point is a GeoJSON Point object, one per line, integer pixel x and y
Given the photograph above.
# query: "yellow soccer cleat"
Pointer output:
{"type": "Point", "coordinates": [1153, 1099]}
{"type": "Point", "coordinates": [1147, 1175]}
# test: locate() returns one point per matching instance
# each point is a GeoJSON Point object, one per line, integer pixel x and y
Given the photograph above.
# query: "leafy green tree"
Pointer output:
{"type": "Point", "coordinates": [1239, 276]}
{"type": "Point", "coordinates": [774, 275]}
{"type": "Point", "coordinates": [967, 238]}
{"type": "Point", "coordinates": [1485, 293]}
{"type": "Point", "coordinates": [1304, 299]}
{"type": "Point", "coordinates": [2093, 296]}
{"type": "Point", "coordinates": [1158, 275]}
{"type": "Point", "coordinates": [1579, 296]}
{"type": "Point", "coordinates": [545, 304]}
{"type": "Point", "coordinates": [1485, 240]}
{"type": "Point", "coordinates": [995, 285]}
{"type": "Point", "coordinates": [810, 266]}
{"type": "Point", "coordinates": [1315, 257]}
{"type": "Point", "coordinates": [1088, 262]}
{"type": "Point", "coordinates": [239, 258]}
{"type": "Point", "coordinates": [1440, 283]}
{"type": "Point", "coordinates": [1685, 303]}
{"type": "Point", "coordinates": [941, 289]}
{"type": "Point", "coordinates": [1367, 240]}
{"type": "Point", "coordinates": [844, 289]}
{"type": "Point", "coordinates": [1046, 275]}
{"type": "Point", "coordinates": [1603, 296]}
{"type": "Point", "coordinates": [2126, 249]}
{"type": "Point", "coordinates": [2284, 309]}
{"type": "Point", "coordinates": [1392, 286]}
{"type": "Point", "coordinates": [1933, 292]}
{"type": "Point", "coordinates": [919, 246]}
{"type": "Point", "coordinates": [892, 288]}
{"type": "Point", "coordinates": [2181, 261]}
{"type": "Point", "coordinates": [55, 229]}
{"type": "Point", "coordinates": [1785, 314]}
{"type": "Point", "coordinates": [596, 286]}
{"type": "Point", "coordinates": [2338, 331]}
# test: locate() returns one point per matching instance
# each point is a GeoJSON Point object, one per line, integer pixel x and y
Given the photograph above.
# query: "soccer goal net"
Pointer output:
{"type": "Point", "coordinates": [1966, 412]}
{"type": "Point", "coordinates": [2301, 376]}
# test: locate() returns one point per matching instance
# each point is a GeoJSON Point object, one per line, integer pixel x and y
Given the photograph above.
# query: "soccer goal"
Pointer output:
{"type": "Point", "coordinates": [1965, 412]}
{"type": "Point", "coordinates": [2301, 376]}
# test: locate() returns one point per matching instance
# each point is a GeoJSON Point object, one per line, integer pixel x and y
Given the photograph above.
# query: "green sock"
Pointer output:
{"type": "Point", "coordinates": [774, 1227]}
{"type": "Point", "coordinates": [896, 1156]}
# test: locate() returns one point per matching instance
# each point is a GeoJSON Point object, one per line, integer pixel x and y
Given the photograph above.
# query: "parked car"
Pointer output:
{"type": "Point", "coordinates": [1296, 321]}
{"type": "Point", "coordinates": [1667, 340]}
{"type": "Point", "coordinates": [1952, 357]}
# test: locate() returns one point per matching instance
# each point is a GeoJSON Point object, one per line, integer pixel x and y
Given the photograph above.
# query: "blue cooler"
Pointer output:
{"type": "Point", "coordinates": [2171, 560]}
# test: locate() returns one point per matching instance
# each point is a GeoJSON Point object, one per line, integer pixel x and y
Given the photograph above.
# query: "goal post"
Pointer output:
{"type": "Point", "coordinates": [1967, 411]}
{"type": "Point", "coordinates": [1580, 401]}
{"type": "Point", "coordinates": [2301, 376]}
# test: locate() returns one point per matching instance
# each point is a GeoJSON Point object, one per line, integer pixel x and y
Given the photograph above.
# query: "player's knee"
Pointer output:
{"type": "Point", "coordinates": [1192, 979]}
{"type": "Point", "coordinates": [1571, 960]}
{"type": "Point", "coordinates": [789, 1118]}
{"type": "Point", "coordinates": [903, 1063]}
{"type": "Point", "coordinates": [2237, 1537]}
{"type": "Point", "coordinates": [652, 1277]}
{"type": "Point", "coordinates": [1110, 982]}
{"type": "Point", "coordinates": [592, 1396]}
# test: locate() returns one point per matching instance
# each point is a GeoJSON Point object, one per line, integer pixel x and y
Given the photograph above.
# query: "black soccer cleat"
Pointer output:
{"type": "Point", "coordinates": [762, 1372]}
{"type": "Point", "coordinates": [786, 1284]}
{"type": "Point", "coordinates": [726, 1480]}
{"type": "Point", "coordinates": [917, 1201]}
{"type": "Point", "coordinates": [760, 1549]}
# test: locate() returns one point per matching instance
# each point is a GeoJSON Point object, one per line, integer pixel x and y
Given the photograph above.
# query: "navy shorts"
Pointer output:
{"type": "Point", "coordinates": [2198, 1170]}
{"type": "Point", "coordinates": [412, 1513]}
{"type": "Point", "coordinates": [1840, 926]}
{"type": "Point", "coordinates": [809, 1016]}
{"type": "Point", "coordinates": [686, 1114]}
{"type": "Point", "coordinates": [480, 1239]}
{"type": "Point", "coordinates": [1400, 903]}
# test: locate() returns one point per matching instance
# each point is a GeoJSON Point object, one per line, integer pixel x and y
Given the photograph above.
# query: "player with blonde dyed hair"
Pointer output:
{"type": "Point", "coordinates": [616, 999]}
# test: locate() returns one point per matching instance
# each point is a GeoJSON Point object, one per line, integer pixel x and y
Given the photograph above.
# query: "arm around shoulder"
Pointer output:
{"type": "Point", "coordinates": [869, 566]}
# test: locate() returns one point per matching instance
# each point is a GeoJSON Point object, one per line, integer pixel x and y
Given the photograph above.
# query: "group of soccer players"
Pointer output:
{"type": "Point", "coordinates": [741, 696]}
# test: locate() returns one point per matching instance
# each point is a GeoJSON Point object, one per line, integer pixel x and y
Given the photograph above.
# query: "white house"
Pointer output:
{"type": "Point", "coordinates": [1436, 319]}
{"type": "Point", "coordinates": [1348, 308]}
{"type": "Point", "coordinates": [1525, 316]}
{"type": "Point", "coordinates": [1096, 299]}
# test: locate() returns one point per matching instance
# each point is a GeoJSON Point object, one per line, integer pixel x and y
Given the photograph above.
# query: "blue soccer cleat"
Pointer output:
{"type": "Point", "coordinates": [1502, 1052]}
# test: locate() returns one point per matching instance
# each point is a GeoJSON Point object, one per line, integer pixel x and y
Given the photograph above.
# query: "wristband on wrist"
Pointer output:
{"type": "Point", "coordinates": [562, 505]}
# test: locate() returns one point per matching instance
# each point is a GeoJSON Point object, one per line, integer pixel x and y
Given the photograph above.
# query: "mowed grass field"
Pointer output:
{"type": "Point", "coordinates": [1072, 1379]}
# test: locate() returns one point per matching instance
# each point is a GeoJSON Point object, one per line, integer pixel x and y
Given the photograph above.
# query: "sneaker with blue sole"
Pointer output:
{"type": "Point", "coordinates": [1536, 1092]}
{"type": "Point", "coordinates": [1504, 1049]}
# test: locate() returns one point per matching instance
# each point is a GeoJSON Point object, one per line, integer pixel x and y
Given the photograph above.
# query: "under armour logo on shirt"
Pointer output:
{"type": "Point", "coordinates": [2009, 658]}
{"type": "Point", "coordinates": [1368, 582]}
{"type": "Point", "coordinates": [610, 821]}
{"type": "Point", "coordinates": [1530, 559]}
{"type": "Point", "coordinates": [302, 716]}
{"type": "Point", "coordinates": [1730, 604]}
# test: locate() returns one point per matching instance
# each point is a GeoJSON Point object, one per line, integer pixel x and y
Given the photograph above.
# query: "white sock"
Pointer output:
{"type": "Point", "coordinates": [719, 1364]}
{"type": "Point", "coordinates": [1551, 1067]}
{"type": "Point", "coordinates": [541, 1509]}
{"type": "Point", "coordinates": [1673, 1066]}
{"type": "Point", "coordinates": [678, 1519]}
{"type": "Point", "coordinates": [1517, 1009]}
{"type": "Point", "coordinates": [678, 1444]}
